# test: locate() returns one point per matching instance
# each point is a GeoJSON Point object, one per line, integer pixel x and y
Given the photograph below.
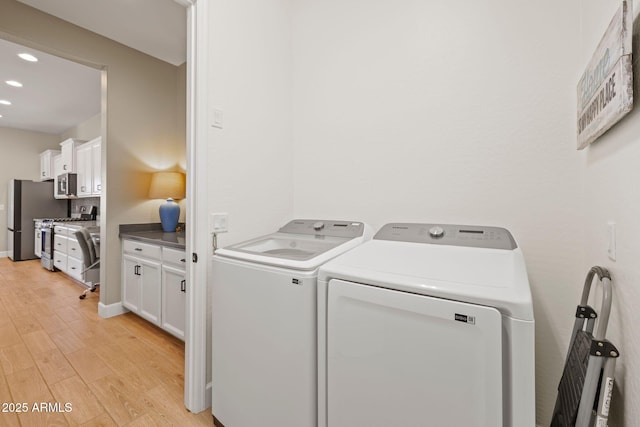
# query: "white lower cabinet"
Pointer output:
{"type": "Point", "coordinates": [173, 300]}
{"type": "Point", "coordinates": [153, 284]}
{"type": "Point", "coordinates": [60, 261]}
{"type": "Point", "coordinates": [67, 255]}
{"type": "Point", "coordinates": [130, 283]}
{"type": "Point", "coordinates": [142, 287]}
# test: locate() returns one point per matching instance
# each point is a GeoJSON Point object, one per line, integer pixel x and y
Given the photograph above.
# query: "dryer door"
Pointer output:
{"type": "Point", "coordinates": [395, 358]}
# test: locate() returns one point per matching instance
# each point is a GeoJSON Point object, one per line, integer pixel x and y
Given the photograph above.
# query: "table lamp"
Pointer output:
{"type": "Point", "coordinates": [169, 185]}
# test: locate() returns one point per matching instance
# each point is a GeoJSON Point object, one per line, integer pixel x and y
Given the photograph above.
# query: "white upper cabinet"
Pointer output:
{"type": "Point", "coordinates": [47, 170]}
{"type": "Point", "coordinates": [69, 147]}
{"type": "Point", "coordinates": [88, 168]}
{"type": "Point", "coordinates": [57, 170]}
{"type": "Point", "coordinates": [96, 160]}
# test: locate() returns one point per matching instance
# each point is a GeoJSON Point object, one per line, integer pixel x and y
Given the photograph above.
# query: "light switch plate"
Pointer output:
{"type": "Point", "coordinates": [219, 222]}
{"type": "Point", "coordinates": [217, 118]}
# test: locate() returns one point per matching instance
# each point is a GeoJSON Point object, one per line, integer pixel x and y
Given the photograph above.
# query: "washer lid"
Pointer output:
{"type": "Point", "coordinates": [481, 275]}
{"type": "Point", "coordinates": [300, 244]}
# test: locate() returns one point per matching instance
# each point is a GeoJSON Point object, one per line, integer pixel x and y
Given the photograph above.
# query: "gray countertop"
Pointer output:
{"type": "Point", "coordinates": [153, 234]}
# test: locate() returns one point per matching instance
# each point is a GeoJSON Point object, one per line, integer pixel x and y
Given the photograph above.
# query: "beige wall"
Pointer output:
{"type": "Point", "coordinates": [142, 129]}
{"type": "Point", "coordinates": [20, 159]}
{"type": "Point", "coordinates": [87, 130]}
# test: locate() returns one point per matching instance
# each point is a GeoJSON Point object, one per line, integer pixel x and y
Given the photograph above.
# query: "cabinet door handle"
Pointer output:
{"type": "Point", "coordinates": [138, 249]}
{"type": "Point", "coordinates": [183, 286]}
{"type": "Point", "coordinates": [42, 173]}
{"type": "Point", "coordinates": [183, 260]}
{"type": "Point", "coordinates": [83, 188]}
{"type": "Point", "coordinates": [64, 167]}
{"type": "Point", "coordinates": [136, 270]}
{"type": "Point", "coordinates": [99, 187]}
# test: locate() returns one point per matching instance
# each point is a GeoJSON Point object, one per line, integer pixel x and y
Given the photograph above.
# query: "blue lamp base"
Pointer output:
{"type": "Point", "coordinates": [169, 215]}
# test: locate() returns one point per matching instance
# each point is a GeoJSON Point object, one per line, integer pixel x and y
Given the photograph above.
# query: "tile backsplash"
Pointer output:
{"type": "Point", "coordinates": [77, 204]}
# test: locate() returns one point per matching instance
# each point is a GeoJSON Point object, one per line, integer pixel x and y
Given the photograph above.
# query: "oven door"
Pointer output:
{"type": "Point", "coordinates": [46, 259]}
{"type": "Point", "coordinates": [37, 241]}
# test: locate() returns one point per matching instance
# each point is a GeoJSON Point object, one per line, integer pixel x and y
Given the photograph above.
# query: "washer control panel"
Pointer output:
{"type": "Point", "coordinates": [447, 234]}
{"type": "Point", "coordinates": [323, 227]}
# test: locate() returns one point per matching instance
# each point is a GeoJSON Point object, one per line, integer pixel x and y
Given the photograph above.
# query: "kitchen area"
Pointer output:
{"type": "Point", "coordinates": [48, 218]}
{"type": "Point", "coordinates": [51, 167]}
{"type": "Point", "coordinates": [134, 127]}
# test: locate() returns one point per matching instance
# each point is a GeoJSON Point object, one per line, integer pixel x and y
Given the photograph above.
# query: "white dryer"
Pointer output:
{"type": "Point", "coordinates": [264, 323]}
{"type": "Point", "coordinates": [427, 325]}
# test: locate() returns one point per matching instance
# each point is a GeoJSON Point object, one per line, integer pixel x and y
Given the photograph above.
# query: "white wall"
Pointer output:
{"type": "Point", "coordinates": [456, 112]}
{"type": "Point", "coordinates": [250, 174]}
{"type": "Point", "coordinates": [611, 175]}
{"type": "Point", "coordinates": [453, 112]}
{"type": "Point", "coordinates": [251, 157]}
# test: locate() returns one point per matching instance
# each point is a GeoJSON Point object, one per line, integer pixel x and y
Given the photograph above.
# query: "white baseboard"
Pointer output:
{"type": "Point", "coordinates": [111, 310]}
{"type": "Point", "coordinates": [208, 395]}
{"type": "Point", "coordinates": [4, 254]}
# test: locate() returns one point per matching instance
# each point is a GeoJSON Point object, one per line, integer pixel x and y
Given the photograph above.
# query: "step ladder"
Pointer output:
{"type": "Point", "coordinates": [584, 392]}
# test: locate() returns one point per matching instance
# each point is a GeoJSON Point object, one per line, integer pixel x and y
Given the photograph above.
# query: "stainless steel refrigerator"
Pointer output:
{"type": "Point", "coordinates": [27, 200]}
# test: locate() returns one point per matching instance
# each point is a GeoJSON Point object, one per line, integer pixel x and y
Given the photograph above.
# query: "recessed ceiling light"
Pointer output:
{"type": "Point", "coordinates": [13, 83]}
{"type": "Point", "coordinates": [28, 57]}
{"type": "Point", "coordinates": [4, 102]}
{"type": "Point", "coordinates": [0, 116]}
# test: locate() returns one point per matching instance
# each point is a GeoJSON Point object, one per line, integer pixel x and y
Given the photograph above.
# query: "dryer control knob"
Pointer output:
{"type": "Point", "coordinates": [318, 225]}
{"type": "Point", "coordinates": [436, 232]}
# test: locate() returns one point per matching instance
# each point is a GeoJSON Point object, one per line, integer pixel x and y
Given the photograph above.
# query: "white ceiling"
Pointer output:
{"type": "Point", "coordinates": [58, 94]}
{"type": "Point", "coordinates": [155, 27]}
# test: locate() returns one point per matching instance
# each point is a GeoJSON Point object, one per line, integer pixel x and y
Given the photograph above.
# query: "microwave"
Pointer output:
{"type": "Point", "coordinates": [67, 187]}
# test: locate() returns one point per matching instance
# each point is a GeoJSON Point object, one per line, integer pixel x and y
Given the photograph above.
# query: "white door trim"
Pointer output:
{"type": "Point", "coordinates": [197, 392]}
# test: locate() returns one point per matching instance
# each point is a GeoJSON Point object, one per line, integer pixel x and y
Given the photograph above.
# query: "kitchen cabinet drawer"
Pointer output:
{"type": "Point", "coordinates": [60, 230]}
{"type": "Point", "coordinates": [74, 268]}
{"type": "Point", "coordinates": [60, 261]}
{"type": "Point", "coordinates": [175, 257]}
{"type": "Point", "coordinates": [142, 249]}
{"type": "Point", "coordinates": [73, 249]}
{"type": "Point", "coordinates": [60, 243]}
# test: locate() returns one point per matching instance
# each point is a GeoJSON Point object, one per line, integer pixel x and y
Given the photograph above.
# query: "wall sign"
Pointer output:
{"type": "Point", "coordinates": [605, 90]}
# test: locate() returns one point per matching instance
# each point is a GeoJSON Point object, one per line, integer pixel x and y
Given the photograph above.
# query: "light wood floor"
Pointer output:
{"type": "Point", "coordinates": [54, 348]}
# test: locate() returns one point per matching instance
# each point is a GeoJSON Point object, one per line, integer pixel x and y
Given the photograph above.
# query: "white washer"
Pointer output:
{"type": "Point", "coordinates": [427, 325]}
{"type": "Point", "coordinates": [264, 323]}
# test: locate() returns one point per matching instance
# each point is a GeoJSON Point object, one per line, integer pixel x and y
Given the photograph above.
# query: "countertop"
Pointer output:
{"type": "Point", "coordinates": [153, 234]}
{"type": "Point", "coordinates": [78, 224]}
